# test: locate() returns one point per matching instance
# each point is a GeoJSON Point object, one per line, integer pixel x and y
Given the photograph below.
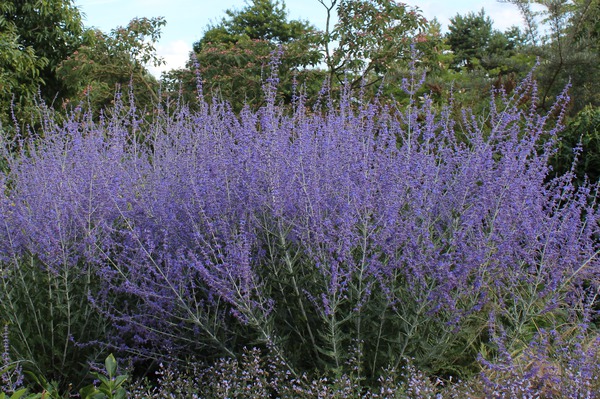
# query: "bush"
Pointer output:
{"type": "Point", "coordinates": [343, 239]}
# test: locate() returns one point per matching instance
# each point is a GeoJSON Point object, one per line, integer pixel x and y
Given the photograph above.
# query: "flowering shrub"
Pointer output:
{"type": "Point", "coordinates": [563, 362]}
{"type": "Point", "coordinates": [344, 238]}
{"type": "Point", "coordinates": [10, 372]}
{"type": "Point", "coordinates": [254, 376]}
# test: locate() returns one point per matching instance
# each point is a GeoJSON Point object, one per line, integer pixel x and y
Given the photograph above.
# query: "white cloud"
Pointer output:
{"type": "Point", "coordinates": [90, 3]}
{"type": "Point", "coordinates": [175, 53]}
{"type": "Point", "coordinates": [504, 15]}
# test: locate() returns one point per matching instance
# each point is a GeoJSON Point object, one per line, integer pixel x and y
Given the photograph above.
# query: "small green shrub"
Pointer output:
{"type": "Point", "coordinates": [50, 318]}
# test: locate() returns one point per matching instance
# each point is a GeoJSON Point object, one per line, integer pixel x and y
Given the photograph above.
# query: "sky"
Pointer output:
{"type": "Point", "coordinates": [187, 20]}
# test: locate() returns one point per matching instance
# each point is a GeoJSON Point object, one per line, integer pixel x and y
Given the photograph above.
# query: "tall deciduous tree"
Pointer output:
{"type": "Point", "coordinates": [107, 62]}
{"type": "Point", "coordinates": [52, 29]}
{"type": "Point", "coordinates": [19, 70]}
{"type": "Point", "coordinates": [370, 37]}
{"type": "Point", "coordinates": [233, 56]}
{"type": "Point", "coordinates": [259, 20]}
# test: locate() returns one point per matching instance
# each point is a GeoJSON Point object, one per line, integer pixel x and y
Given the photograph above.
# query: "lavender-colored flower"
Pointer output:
{"type": "Point", "coordinates": [304, 231]}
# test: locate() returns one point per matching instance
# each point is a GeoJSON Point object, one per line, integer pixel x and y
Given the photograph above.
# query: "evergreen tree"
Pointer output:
{"type": "Point", "coordinates": [477, 45]}
{"type": "Point", "coordinates": [469, 38]}
{"type": "Point", "coordinates": [568, 48]}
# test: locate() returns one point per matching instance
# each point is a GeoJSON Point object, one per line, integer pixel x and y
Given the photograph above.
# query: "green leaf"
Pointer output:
{"type": "Point", "coordinates": [18, 394]}
{"type": "Point", "coordinates": [111, 365]}
{"type": "Point", "coordinates": [120, 380]}
{"type": "Point", "coordinates": [87, 392]}
{"type": "Point", "coordinates": [102, 378]}
{"type": "Point", "coordinates": [37, 379]}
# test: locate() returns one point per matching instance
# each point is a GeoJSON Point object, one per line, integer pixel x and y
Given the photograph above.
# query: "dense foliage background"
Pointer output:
{"type": "Point", "coordinates": [374, 210]}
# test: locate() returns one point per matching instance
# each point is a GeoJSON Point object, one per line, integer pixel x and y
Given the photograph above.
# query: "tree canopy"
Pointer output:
{"type": "Point", "coordinates": [19, 68]}
{"type": "Point", "coordinates": [233, 56]}
{"type": "Point", "coordinates": [51, 30]}
{"type": "Point", "coordinates": [370, 37]}
{"type": "Point", "coordinates": [564, 36]}
{"type": "Point", "coordinates": [45, 49]}
{"type": "Point", "coordinates": [265, 20]}
{"type": "Point", "coordinates": [476, 44]}
{"type": "Point", "coordinates": [107, 62]}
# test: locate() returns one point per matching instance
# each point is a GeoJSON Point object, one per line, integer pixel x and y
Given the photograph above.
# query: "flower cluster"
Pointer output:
{"type": "Point", "coordinates": [307, 231]}
{"type": "Point", "coordinates": [11, 373]}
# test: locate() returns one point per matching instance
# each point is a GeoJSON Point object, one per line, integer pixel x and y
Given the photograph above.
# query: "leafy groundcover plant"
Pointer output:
{"type": "Point", "coordinates": [361, 248]}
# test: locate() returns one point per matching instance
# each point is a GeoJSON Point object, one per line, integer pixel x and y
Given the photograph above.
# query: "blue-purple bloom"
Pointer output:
{"type": "Point", "coordinates": [353, 221]}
